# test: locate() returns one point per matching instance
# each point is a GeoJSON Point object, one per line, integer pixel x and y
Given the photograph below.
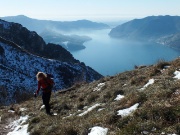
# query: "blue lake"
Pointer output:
{"type": "Point", "coordinates": [110, 56]}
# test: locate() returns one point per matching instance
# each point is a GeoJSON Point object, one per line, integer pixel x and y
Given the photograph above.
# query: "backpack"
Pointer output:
{"type": "Point", "coordinates": [50, 81]}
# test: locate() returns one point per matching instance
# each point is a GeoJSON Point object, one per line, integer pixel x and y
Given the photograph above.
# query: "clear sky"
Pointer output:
{"type": "Point", "coordinates": [89, 9]}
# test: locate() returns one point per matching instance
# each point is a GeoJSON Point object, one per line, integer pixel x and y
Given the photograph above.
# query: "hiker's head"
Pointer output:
{"type": "Point", "coordinates": [40, 76]}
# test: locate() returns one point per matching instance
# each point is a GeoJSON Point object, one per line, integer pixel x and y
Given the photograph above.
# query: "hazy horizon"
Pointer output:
{"type": "Point", "coordinates": [101, 11]}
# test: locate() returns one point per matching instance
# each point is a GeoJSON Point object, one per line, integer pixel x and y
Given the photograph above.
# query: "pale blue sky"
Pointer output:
{"type": "Point", "coordinates": [89, 9]}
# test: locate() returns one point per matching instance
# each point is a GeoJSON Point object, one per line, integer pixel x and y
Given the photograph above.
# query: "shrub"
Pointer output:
{"type": "Point", "coordinates": [142, 97]}
{"type": "Point", "coordinates": [35, 132]}
{"type": "Point", "coordinates": [68, 130]}
{"type": "Point", "coordinates": [35, 120]}
{"type": "Point", "coordinates": [107, 95]}
{"type": "Point", "coordinates": [161, 64]}
{"type": "Point", "coordinates": [80, 107]}
{"type": "Point", "coordinates": [178, 129]}
{"type": "Point", "coordinates": [169, 115]}
{"type": "Point", "coordinates": [137, 80]}
{"type": "Point", "coordinates": [65, 106]}
{"type": "Point", "coordinates": [124, 121]}
{"type": "Point", "coordinates": [112, 118]}
{"type": "Point", "coordinates": [154, 71]}
{"type": "Point", "coordinates": [81, 99]}
{"type": "Point", "coordinates": [73, 96]}
{"type": "Point", "coordinates": [92, 98]}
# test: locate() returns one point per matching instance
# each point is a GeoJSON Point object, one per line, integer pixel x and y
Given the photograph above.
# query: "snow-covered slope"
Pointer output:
{"type": "Point", "coordinates": [18, 69]}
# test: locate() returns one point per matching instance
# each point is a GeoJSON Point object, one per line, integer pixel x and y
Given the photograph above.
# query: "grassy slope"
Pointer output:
{"type": "Point", "coordinates": [159, 105]}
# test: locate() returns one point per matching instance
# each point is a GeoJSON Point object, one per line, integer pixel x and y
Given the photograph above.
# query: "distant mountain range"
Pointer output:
{"type": "Point", "coordinates": [53, 31]}
{"type": "Point", "coordinates": [41, 25]}
{"type": "Point", "coordinates": [23, 53]}
{"type": "Point", "coordinates": [161, 29]}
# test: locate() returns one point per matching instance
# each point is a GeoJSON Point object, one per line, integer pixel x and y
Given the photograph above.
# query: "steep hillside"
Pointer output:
{"type": "Point", "coordinates": [145, 101]}
{"type": "Point", "coordinates": [18, 69]}
{"type": "Point", "coordinates": [41, 25]}
{"type": "Point", "coordinates": [33, 43]}
{"type": "Point", "coordinates": [150, 28]}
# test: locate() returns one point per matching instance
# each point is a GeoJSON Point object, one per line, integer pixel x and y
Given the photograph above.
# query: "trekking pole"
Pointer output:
{"type": "Point", "coordinates": [55, 94]}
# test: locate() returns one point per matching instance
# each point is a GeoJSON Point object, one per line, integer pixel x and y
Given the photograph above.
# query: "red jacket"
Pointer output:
{"type": "Point", "coordinates": [44, 84]}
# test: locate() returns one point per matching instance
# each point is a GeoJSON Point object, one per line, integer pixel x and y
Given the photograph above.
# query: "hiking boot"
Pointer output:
{"type": "Point", "coordinates": [49, 113]}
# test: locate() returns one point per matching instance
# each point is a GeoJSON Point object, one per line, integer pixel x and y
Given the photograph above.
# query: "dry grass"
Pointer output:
{"type": "Point", "coordinates": [159, 109]}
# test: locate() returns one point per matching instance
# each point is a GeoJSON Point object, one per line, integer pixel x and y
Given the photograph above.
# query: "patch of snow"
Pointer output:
{"type": "Point", "coordinates": [55, 114]}
{"type": "Point", "coordinates": [126, 112]}
{"type": "Point", "coordinates": [151, 81]}
{"type": "Point", "coordinates": [119, 97]}
{"type": "Point", "coordinates": [124, 85]}
{"type": "Point", "coordinates": [11, 111]}
{"type": "Point", "coordinates": [98, 131]}
{"type": "Point", "coordinates": [18, 126]}
{"type": "Point", "coordinates": [21, 130]}
{"type": "Point", "coordinates": [22, 109]}
{"type": "Point", "coordinates": [67, 116]}
{"type": "Point", "coordinates": [145, 132]}
{"type": "Point", "coordinates": [177, 74]}
{"type": "Point", "coordinates": [100, 109]}
{"type": "Point", "coordinates": [99, 87]}
{"type": "Point", "coordinates": [153, 129]}
{"type": "Point", "coordinates": [177, 92]}
{"type": "Point", "coordinates": [89, 110]}
{"type": "Point", "coordinates": [42, 107]}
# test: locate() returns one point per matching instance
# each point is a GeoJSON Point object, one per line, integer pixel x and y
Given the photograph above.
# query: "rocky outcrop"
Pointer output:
{"type": "Point", "coordinates": [32, 42]}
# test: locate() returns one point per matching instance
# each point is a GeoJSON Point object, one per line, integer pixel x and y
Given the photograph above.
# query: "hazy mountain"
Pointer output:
{"type": "Point", "coordinates": [23, 53]}
{"type": "Point", "coordinates": [69, 42]}
{"type": "Point", "coordinates": [41, 25]}
{"type": "Point", "coordinates": [48, 30]}
{"type": "Point", "coordinates": [150, 28]}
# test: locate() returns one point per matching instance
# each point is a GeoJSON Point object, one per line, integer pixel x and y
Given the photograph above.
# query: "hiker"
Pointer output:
{"type": "Point", "coordinates": [46, 84]}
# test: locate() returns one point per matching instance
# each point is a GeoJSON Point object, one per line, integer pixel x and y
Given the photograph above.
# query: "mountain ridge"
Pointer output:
{"type": "Point", "coordinates": [57, 29]}
{"type": "Point", "coordinates": [40, 25]}
{"type": "Point", "coordinates": [152, 28]}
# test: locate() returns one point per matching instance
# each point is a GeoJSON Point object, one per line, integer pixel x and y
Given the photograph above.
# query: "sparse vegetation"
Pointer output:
{"type": "Point", "coordinates": [158, 111]}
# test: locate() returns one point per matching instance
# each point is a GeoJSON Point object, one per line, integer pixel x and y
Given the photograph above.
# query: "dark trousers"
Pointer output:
{"type": "Point", "coordinates": [46, 99]}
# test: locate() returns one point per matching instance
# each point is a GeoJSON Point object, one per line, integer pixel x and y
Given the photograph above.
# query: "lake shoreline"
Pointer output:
{"type": "Point", "coordinates": [110, 56]}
